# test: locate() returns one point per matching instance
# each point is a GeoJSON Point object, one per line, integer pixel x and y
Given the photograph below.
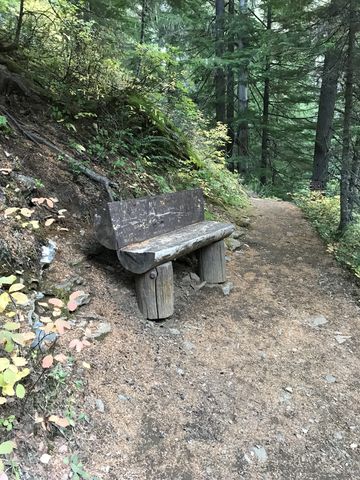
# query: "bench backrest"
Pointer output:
{"type": "Point", "coordinates": [136, 220]}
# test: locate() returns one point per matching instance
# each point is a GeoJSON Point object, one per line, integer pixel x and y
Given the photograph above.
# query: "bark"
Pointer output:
{"type": "Point", "coordinates": [242, 133]}
{"type": "Point", "coordinates": [354, 184]}
{"type": "Point", "coordinates": [143, 21]}
{"type": "Point", "coordinates": [345, 206]}
{"type": "Point", "coordinates": [220, 85]}
{"type": "Point", "coordinates": [265, 141]}
{"type": "Point", "coordinates": [230, 109]}
{"type": "Point", "coordinates": [331, 70]}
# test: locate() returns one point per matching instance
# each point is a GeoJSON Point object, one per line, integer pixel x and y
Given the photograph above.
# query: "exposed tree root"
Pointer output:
{"type": "Point", "coordinates": [39, 140]}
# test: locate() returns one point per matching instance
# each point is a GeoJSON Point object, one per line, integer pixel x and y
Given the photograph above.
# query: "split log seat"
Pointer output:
{"type": "Point", "coordinates": [148, 233]}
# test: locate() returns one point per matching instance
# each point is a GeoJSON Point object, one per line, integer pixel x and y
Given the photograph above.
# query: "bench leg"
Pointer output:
{"type": "Point", "coordinates": [155, 292]}
{"type": "Point", "coordinates": [212, 263]}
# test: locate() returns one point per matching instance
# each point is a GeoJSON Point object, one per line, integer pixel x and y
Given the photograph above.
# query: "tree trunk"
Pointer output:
{"type": "Point", "coordinates": [345, 210]}
{"type": "Point", "coordinates": [242, 133]}
{"type": "Point", "coordinates": [265, 142]}
{"type": "Point", "coordinates": [143, 21]}
{"type": "Point", "coordinates": [325, 119]}
{"type": "Point", "coordinates": [230, 109]}
{"type": "Point", "coordinates": [354, 184]}
{"type": "Point", "coordinates": [220, 85]}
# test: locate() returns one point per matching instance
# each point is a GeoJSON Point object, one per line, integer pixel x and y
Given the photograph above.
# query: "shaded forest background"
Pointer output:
{"type": "Point", "coordinates": [262, 94]}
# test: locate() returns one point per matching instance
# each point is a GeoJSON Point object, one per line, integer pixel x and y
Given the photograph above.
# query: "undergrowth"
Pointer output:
{"type": "Point", "coordinates": [324, 213]}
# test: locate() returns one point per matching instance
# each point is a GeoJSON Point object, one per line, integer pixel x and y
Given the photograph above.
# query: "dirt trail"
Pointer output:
{"type": "Point", "coordinates": [232, 387]}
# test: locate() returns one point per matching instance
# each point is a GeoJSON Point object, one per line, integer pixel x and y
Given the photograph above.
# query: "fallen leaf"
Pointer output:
{"type": "Point", "coordinates": [10, 211]}
{"type": "Point", "coordinates": [56, 312]}
{"type": "Point", "coordinates": [72, 306]}
{"type": "Point", "coordinates": [79, 344]}
{"type": "Point", "coordinates": [4, 301]}
{"type": "Point", "coordinates": [26, 212]}
{"type": "Point", "coordinates": [16, 287]}
{"type": "Point", "coordinates": [61, 325]}
{"type": "Point", "coordinates": [62, 211]}
{"type": "Point", "coordinates": [59, 421]}
{"type": "Point", "coordinates": [34, 224]}
{"type": "Point", "coordinates": [38, 201]}
{"type": "Point", "coordinates": [56, 302]}
{"type": "Point", "coordinates": [86, 365]}
{"type": "Point", "coordinates": [7, 280]}
{"type": "Point", "coordinates": [49, 222]}
{"type": "Point", "coordinates": [49, 202]}
{"type": "Point", "coordinates": [61, 358]}
{"type": "Point", "coordinates": [7, 447]}
{"type": "Point", "coordinates": [47, 361]}
{"type": "Point", "coordinates": [20, 298]}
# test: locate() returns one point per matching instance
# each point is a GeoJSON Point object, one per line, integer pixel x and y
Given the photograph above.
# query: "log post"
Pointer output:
{"type": "Point", "coordinates": [155, 292]}
{"type": "Point", "coordinates": [212, 263]}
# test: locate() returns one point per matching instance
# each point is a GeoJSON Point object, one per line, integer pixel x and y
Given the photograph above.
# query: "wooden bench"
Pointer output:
{"type": "Point", "coordinates": [148, 233]}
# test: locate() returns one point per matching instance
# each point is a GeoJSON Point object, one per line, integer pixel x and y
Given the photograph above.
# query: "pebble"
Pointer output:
{"type": "Point", "coordinates": [233, 244]}
{"type": "Point", "coordinates": [260, 453]}
{"type": "Point", "coordinates": [289, 389]}
{"type": "Point", "coordinates": [103, 329]}
{"type": "Point", "coordinates": [123, 398]}
{"type": "Point", "coordinates": [338, 436]}
{"type": "Point", "coordinates": [342, 338]}
{"type": "Point", "coordinates": [174, 331]}
{"type": "Point", "coordinates": [189, 346]}
{"type": "Point", "coordinates": [45, 458]}
{"type": "Point", "coordinates": [317, 321]}
{"type": "Point", "coordinates": [330, 378]}
{"type": "Point", "coordinates": [227, 287]}
{"type": "Point", "coordinates": [99, 404]}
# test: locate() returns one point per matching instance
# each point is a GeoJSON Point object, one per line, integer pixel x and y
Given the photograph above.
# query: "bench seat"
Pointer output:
{"type": "Point", "coordinates": [143, 256]}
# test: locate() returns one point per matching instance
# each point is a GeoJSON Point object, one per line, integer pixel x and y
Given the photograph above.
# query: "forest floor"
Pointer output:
{"type": "Point", "coordinates": [260, 384]}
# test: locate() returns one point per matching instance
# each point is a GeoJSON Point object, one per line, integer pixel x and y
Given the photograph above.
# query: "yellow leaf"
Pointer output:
{"type": "Point", "coordinates": [86, 365]}
{"type": "Point", "coordinates": [10, 314]}
{"type": "Point", "coordinates": [10, 211]}
{"type": "Point", "coordinates": [7, 280]}
{"type": "Point", "coordinates": [16, 287]}
{"type": "Point", "coordinates": [26, 212]}
{"type": "Point", "coordinates": [2, 402]}
{"type": "Point", "coordinates": [19, 361]}
{"type": "Point", "coordinates": [20, 298]}
{"type": "Point", "coordinates": [4, 301]}
{"type": "Point", "coordinates": [8, 390]}
{"type": "Point", "coordinates": [4, 364]}
{"type": "Point", "coordinates": [24, 373]}
{"type": "Point", "coordinates": [34, 224]}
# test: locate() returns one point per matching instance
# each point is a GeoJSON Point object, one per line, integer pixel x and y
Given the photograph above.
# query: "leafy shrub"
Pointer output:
{"type": "Point", "coordinates": [324, 214]}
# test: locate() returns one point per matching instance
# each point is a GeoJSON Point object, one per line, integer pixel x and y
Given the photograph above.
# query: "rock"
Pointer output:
{"type": "Point", "coordinates": [288, 389]}
{"type": "Point", "coordinates": [233, 244]}
{"type": "Point", "coordinates": [330, 378]}
{"type": "Point", "coordinates": [103, 329]}
{"type": "Point", "coordinates": [194, 277]}
{"type": "Point", "coordinates": [180, 371]}
{"type": "Point", "coordinates": [224, 288]}
{"type": "Point", "coordinates": [124, 398]}
{"type": "Point", "coordinates": [260, 453]}
{"type": "Point", "coordinates": [99, 404]}
{"type": "Point", "coordinates": [174, 331]}
{"type": "Point", "coordinates": [285, 397]}
{"type": "Point", "coordinates": [2, 196]}
{"type": "Point", "coordinates": [342, 338]}
{"type": "Point", "coordinates": [26, 184]}
{"type": "Point", "coordinates": [69, 284]}
{"type": "Point", "coordinates": [45, 458]}
{"type": "Point", "coordinates": [338, 436]}
{"type": "Point", "coordinates": [317, 321]}
{"type": "Point", "coordinates": [48, 253]}
{"type": "Point", "coordinates": [81, 299]}
{"type": "Point", "coordinates": [239, 233]}
{"type": "Point", "coordinates": [227, 287]}
{"type": "Point", "coordinates": [189, 346]}
{"type": "Point", "coordinates": [244, 222]}
{"type": "Point", "coordinates": [199, 286]}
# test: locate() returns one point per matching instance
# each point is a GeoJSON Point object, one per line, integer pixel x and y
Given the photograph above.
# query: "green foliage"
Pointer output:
{"type": "Point", "coordinates": [324, 214]}
{"type": "Point", "coordinates": [77, 469]}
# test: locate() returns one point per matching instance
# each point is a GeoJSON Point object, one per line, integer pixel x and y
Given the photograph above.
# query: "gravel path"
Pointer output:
{"type": "Point", "coordinates": [261, 384]}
